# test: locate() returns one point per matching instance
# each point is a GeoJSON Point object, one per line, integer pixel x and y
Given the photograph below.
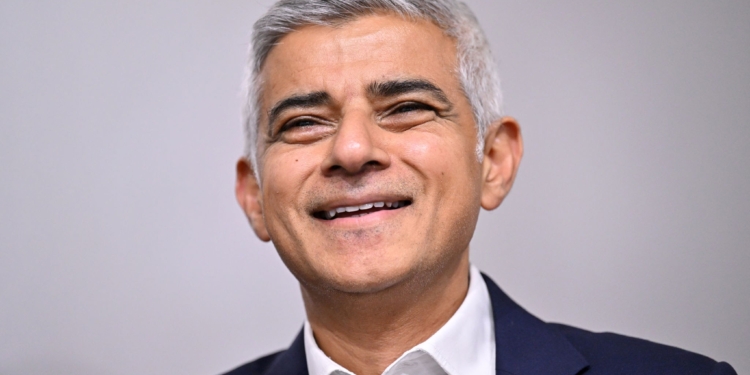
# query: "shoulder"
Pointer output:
{"type": "Point", "coordinates": [610, 353]}
{"type": "Point", "coordinates": [259, 366]}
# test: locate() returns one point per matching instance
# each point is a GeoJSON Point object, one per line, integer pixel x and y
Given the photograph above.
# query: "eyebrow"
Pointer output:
{"type": "Point", "coordinates": [399, 87]}
{"type": "Point", "coordinates": [310, 100]}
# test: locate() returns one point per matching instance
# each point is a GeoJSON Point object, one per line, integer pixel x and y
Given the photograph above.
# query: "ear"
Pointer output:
{"type": "Point", "coordinates": [249, 197]}
{"type": "Point", "coordinates": [503, 149]}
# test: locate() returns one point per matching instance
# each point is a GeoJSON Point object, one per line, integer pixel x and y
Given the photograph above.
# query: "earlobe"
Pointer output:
{"type": "Point", "coordinates": [248, 195]}
{"type": "Point", "coordinates": [503, 150]}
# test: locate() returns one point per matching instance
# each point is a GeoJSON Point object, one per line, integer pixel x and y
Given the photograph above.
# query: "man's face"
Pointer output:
{"type": "Point", "coordinates": [367, 153]}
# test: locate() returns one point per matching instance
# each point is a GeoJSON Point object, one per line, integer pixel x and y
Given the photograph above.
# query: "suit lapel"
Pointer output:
{"type": "Point", "coordinates": [525, 345]}
{"type": "Point", "coordinates": [291, 361]}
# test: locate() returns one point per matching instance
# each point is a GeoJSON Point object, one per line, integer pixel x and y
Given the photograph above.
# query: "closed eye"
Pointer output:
{"type": "Point", "coordinates": [298, 123]}
{"type": "Point", "coordinates": [411, 107]}
{"type": "Point", "coordinates": [303, 129]}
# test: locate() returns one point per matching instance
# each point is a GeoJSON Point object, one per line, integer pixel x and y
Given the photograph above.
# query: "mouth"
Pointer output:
{"type": "Point", "coordinates": [341, 212]}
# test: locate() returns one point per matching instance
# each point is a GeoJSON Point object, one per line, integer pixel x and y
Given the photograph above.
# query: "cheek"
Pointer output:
{"type": "Point", "coordinates": [283, 176]}
{"type": "Point", "coordinates": [449, 159]}
{"type": "Point", "coordinates": [451, 199]}
{"type": "Point", "coordinates": [452, 174]}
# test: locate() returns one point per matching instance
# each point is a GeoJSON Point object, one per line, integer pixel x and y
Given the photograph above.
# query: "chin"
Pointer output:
{"type": "Point", "coordinates": [368, 280]}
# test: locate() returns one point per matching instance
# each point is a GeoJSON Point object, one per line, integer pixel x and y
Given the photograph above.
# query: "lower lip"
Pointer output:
{"type": "Point", "coordinates": [370, 219]}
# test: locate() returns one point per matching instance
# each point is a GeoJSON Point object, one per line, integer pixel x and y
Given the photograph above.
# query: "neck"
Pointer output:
{"type": "Point", "coordinates": [365, 333]}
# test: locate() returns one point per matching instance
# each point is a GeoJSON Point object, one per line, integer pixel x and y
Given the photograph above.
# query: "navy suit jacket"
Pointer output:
{"type": "Point", "coordinates": [526, 345]}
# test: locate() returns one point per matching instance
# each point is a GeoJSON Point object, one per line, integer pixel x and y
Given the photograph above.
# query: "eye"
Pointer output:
{"type": "Point", "coordinates": [411, 107]}
{"type": "Point", "coordinates": [298, 123]}
{"type": "Point", "coordinates": [406, 115]}
{"type": "Point", "coordinates": [303, 130]}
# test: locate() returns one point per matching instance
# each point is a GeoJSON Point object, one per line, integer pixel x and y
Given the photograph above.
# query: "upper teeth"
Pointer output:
{"type": "Point", "coordinates": [330, 214]}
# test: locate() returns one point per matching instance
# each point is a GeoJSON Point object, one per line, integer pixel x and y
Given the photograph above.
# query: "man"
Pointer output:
{"type": "Point", "coordinates": [375, 134]}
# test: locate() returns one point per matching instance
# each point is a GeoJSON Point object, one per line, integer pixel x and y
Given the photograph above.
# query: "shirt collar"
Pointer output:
{"type": "Point", "coordinates": [465, 345]}
{"type": "Point", "coordinates": [318, 363]}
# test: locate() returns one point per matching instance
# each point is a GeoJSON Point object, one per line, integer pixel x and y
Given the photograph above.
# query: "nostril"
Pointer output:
{"type": "Point", "coordinates": [372, 163]}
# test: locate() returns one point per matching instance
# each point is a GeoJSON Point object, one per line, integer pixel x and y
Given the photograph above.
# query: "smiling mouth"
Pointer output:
{"type": "Point", "coordinates": [360, 210]}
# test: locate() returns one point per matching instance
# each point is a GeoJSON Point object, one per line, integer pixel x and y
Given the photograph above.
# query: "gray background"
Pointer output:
{"type": "Point", "coordinates": [122, 250]}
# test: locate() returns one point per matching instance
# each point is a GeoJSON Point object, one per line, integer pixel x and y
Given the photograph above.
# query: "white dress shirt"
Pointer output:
{"type": "Point", "coordinates": [465, 345]}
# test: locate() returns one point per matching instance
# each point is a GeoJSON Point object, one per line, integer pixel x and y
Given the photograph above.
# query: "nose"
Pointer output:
{"type": "Point", "coordinates": [357, 147]}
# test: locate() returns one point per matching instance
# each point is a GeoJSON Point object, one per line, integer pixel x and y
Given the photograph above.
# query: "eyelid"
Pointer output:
{"type": "Point", "coordinates": [291, 123]}
{"type": "Point", "coordinates": [411, 103]}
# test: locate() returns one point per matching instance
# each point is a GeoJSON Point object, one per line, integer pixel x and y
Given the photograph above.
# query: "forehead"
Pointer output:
{"type": "Point", "coordinates": [343, 60]}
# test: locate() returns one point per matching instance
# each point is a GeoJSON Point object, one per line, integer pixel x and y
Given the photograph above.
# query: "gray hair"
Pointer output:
{"type": "Point", "coordinates": [476, 67]}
